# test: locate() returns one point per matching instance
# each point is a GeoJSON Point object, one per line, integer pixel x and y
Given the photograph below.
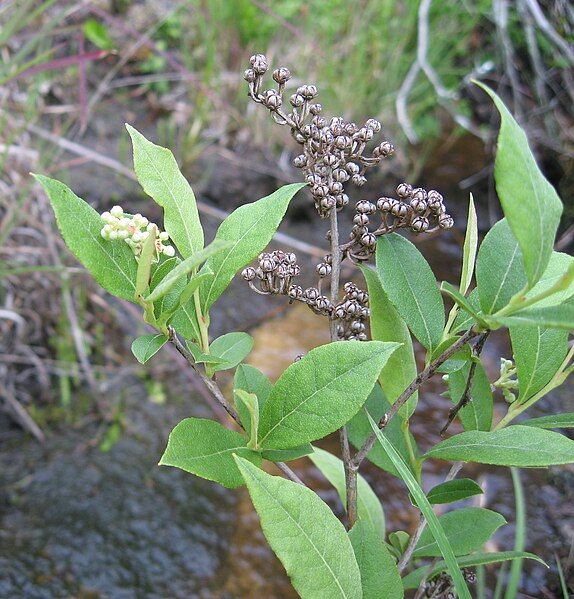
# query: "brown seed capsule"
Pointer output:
{"type": "Point", "coordinates": [315, 109]}
{"type": "Point", "coordinates": [248, 273]}
{"type": "Point", "coordinates": [322, 303]}
{"type": "Point", "coordinates": [307, 91]}
{"type": "Point", "coordinates": [249, 75]}
{"type": "Point", "coordinates": [419, 194]}
{"type": "Point", "coordinates": [362, 220]}
{"type": "Point", "coordinates": [419, 205]}
{"type": "Point", "coordinates": [358, 232]}
{"type": "Point", "coordinates": [374, 125]}
{"type": "Point", "coordinates": [352, 168]}
{"type": "Point", "coordinates": [259, 63]}
{"type": "Point", "coordinates": [295, 292]}
{"type": "Point", "coordinates": [336, 188]}
{"type": "Point", "coordinates": [311, 294]}
{"type": "Point", "coordinates": [434, 198]}
{"type": "Point", "coordinates": [351, 128]}
{"type": "Point", "coordinates": [297, 100]}
{"type": "Point", "coordinates": [267, 264]}
{"type": "Point", "coordinates": [358, 180]}
{"type": "Point", "coordinates": [365, 207]}
{"type": "Point", "coordinates": [300, 161]}
{"type": "Point", "coordinates": [323, 270]}
{"type": "Point", "coordinates": [369, 240]}
{"type": "Point", "coordinates": [281, 75]}
{"type": "Point", "coordinates": [399, 209]}
{"type": "Point", "coordinates": [445, 221]}
{"type": "Point", "coordinates": [419, 224]}
{"type": "Point", "coordinates": [385, 204]}
{"type": "Point", "coordinates": [341, 175]}
{"type": "Point", "coordinates": [404, 190]}
{"type": "Point", "coordinates": [386, 149]}
{"type": "Point", "coordinates": [272, 100]}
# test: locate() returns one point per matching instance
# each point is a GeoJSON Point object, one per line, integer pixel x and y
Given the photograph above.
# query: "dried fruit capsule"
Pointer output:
{"type": "Point", "coordinates": [281, 75]}
{"type": "Point", "coordinates": [248, 273]}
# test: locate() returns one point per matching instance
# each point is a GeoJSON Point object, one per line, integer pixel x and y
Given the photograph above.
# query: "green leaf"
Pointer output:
{"type": "Point", "coordinates": [379, 573]}
{"type": "Point", "coordinates": [160, 177]}
{"type": "Point", "coordinates": [387, 325]}
{"type": "Point", "coordinates": [413, 580]}
{"type": "Point", "coordinates": [184, 268]}
{"type": "Point", "coordinates": [369, 507]}
{"type": "Point", "coordinates": [463, 320]}
{"type": "Point", "coordinates": [453, 490]}
{"type": "Point", "coordinates": [184, 321]}
{"type": "Point", "coordinates": [111, 263]}
{"type": "Point", "coordinates": [232, 348]}
{"type": "Point", "coordinates": [467, 529]}
{"type": "Point", "coordinates": [359, 430]}
{"type": "Point", "coordinates": [469, 249]}
{"type": "Point", "coordinates": [565, 420]}
{"type": "Point", "coordinates": [477, 414]}
{"type": "Point", "coordinates": [147, 346]}
{"type": "Point", "coordinates": [286, 455]}
{"type": "Point", "coordinates": [463, 302]}
{"type": "Point", "coordinates": [250, 228]}
{"type": "Point", "coordinates": [530, 203]}
{"type": "Point", "coordinates": [427, 511]}
{"type": "Point", "coordinates": [410, 285]}
{"type": "Point", "coordinates": [98, 34]}
{"type": "Point", "coordinates": [499, 268]}
{"type": "Point", "coordinates": [305, 535]}
{"type": "Point", "coordinates": [522, 446]}
{"type": "Point", "coordinates": [400, 540]}
{"type": "Point", "coordinates": [455, 362]}
{"type": "Point", "coordinates": [205, 448]}
{"type": "Point", "coordinates": [252, 380]}
{"type": "Point", "coordinates": [321, 392]}
{"type": "Point", "coordinates": [145, 263]}
{"type": "Point", "coordinates": [200, 357]}
{"type": "Point", "coordinates": [249, 402]}
{"type": "Point", "coordinates": [555, 317]}
{"type": "Point", "coordinates": [538, 354]}
{"type": "Point", "coordinates": [558, 266]}
{"type": "Point", "coordinates": [168, 302]}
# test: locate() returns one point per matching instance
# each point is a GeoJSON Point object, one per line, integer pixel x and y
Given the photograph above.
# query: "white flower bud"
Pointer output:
{"type": "Point", "coordinates": [124, 223]}
{"type": "Point", "coordinates": [137, 237]}
{"type": "Point", "coordinates": [113, 235]}
{"type": "Point", "coordinates": [168, 250]}
{"type": "Point", "coordinates": [117, 211]}
{"type": "Point", "coordinates": [164, 236]}
{"type": "Point", "coordinates": [145, 235]}
{"type": "Point", "coordinates": [144, 221]}
{"type": "Point", "coordinates": [123, 234]}
{"type": "Point", "coordinates": [104, 233]}
{"type": "Point", "coordinates": [105, 216]}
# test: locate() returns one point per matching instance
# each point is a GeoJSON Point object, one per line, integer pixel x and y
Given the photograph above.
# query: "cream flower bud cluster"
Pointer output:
{"type": "Point", "coordinates": [134, 230]}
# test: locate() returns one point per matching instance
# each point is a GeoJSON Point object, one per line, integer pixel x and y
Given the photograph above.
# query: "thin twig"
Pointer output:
{"type": "Point", "coordinates": [549, 31]}
{"type": "Point", "coordinates": [220, 398]}
{"type": "Point", "coordinates": [21, 414]}
{"type": "Point", "coordinates": [418, 381]}
{"type": "Point", "coordinates": [466, 396]}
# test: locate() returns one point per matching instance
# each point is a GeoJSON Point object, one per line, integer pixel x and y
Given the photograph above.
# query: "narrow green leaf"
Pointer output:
{"type": "Point", "coordinates": [359, 429]}
{"type": "Point", "coordinates": [463, 302]}
{"type": "Point", "coordinates": [169, 301]}
{"type": "Point", "coordinates": [410, 285]}
{"type": "Point", "coordinates": [379, 573]}
{"type": "Point", "coordinates": [522, 446]}
{"type": "Point", "coordinates": [467, 529]}
{"type": "Point", "coordinates": [565, 420]}
{"type": "Point", "coordinates": [369, 507]}
{"type": "Point", "coordinates": [427, 511]}
{"type": "Point", "coordinates": [184, 321]}
{"type": "Point", "coordinates": [455, 362]}
{"type": "Point", "coordinates": [413, 580]}
{"type": "Point", "coordinates": [252, 380]}
{"type": "Point", "coordinates": [160, 177]}
{"type": "Point", "coordinates": [463, 320]}
{"type": "Point", "coordinates": [98, 34]}
{"type": "Point", "coordinates": [232, 348]}
{"type": "Point", "coordinates": [555, 317]}
{"type": "Point", "coordinates": [558, 266]}
{"type": "Point", "coordinates": [200, 357]}
{"type": "Point", "coordinates": [305, 535]}
{"type": "Point", "coordinates": [145, 264]}
{"type": "Point", "coordinates": [111, 263]}
{"type": "Point", "coordinates": [515, 575]}
{"type": "Point", "coordinates": [195, 283]}
{"type": "Point", "coordinates": [453, 490]}
{"type": "Point", "coordinates": [147, 346]}
{"type": "Point", "coordinates": [469, 248]}
{"type": "Point", "coordinates": [249, 403]}
{"type": "Point", "coordinates": [250, 228]}
{"type": "Point", "coordinates": [321, 392]}
{"type": "Point", "coordinates": [538, 354]}
{"type": "Point", "coordinates": [286, 455]}
{"type": "Point", "coordinates": [387, 325]}
{"type": "Point", "coordinates": [529, 201]}
{"type": "Point", "coordinates": [205, 448]}
{"type": "Point", "coordinates": [477, 414]}
{"type": "Point", "coordinates": [184, 268]}
{"type": "Point", "coordinates": [499, 268]}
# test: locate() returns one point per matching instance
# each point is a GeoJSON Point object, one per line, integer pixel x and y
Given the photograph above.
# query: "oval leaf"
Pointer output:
{"type": "Point", "coordinates": [555, 317]}
{"type": "Point", "coordinates": [369, 507]}
{"type": "Point", "coordinates": [160, 177]}
{"type": "Point", "coordinates": [111, 263]}
{"type": "Point", "coordinates": [321, 392]}
{"type": "Point", "coordinates": [147, 346]}
{"type": "Point", "coordinates": [558, 266]}
{"type": "Point", "coordinates": [379, 573]}
{"type": "Point", "coordinates": [305, 535]}
{"type": "Point", "coordinates": [410, 285]}
{"type": "Point", "coordinates": [387, 325]}
{"type": "Point", "coordinates": [522, 446]}
{"type": "Point", "coordinates": [530, 203]}
{"type": "Point", "coordinates": [565, 420]}
{"type": "Point", "coordinates": [453, 490]}
{"type": "Point", "coordinates": [231, 348]}
{"type": "Point", "coordinates": [205, 448]}
{"type": "Point", "coordinates": [477, 414]}
{"type": "Point", "coordinates": [466, 529]}
{"type": "Point", "coordinates": [250, 379]}
{"type": "Point", "coordinates": [250, 228]}
{"type": "Point", "coordinates": [499, 268]}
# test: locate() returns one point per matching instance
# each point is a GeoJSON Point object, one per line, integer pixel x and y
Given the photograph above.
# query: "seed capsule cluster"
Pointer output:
{"type": "Point", "coordinates": [415, 209]}
{"type": "Point", "coordinates": [274, 274]}
{"type": "Point", "coordinates": [333, 150]}
{"type": "Point", "coordinates": [352, 313]}
{"type": "Point", "coordinates": [134, 230]}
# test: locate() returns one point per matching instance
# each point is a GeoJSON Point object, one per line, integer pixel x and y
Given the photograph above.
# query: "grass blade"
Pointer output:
{"type": "Point", "coordinates": [519, 537]}
{"type": "Point", "coordinates": [426, 508]}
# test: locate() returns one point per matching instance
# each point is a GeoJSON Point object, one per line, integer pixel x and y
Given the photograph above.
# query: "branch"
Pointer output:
{"type": "Point", "coordinates": [466, 396]}
{"type": "Point", "coordinates": [420, 379]}
{"type": "Point", "coordinates": [220, 398]}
